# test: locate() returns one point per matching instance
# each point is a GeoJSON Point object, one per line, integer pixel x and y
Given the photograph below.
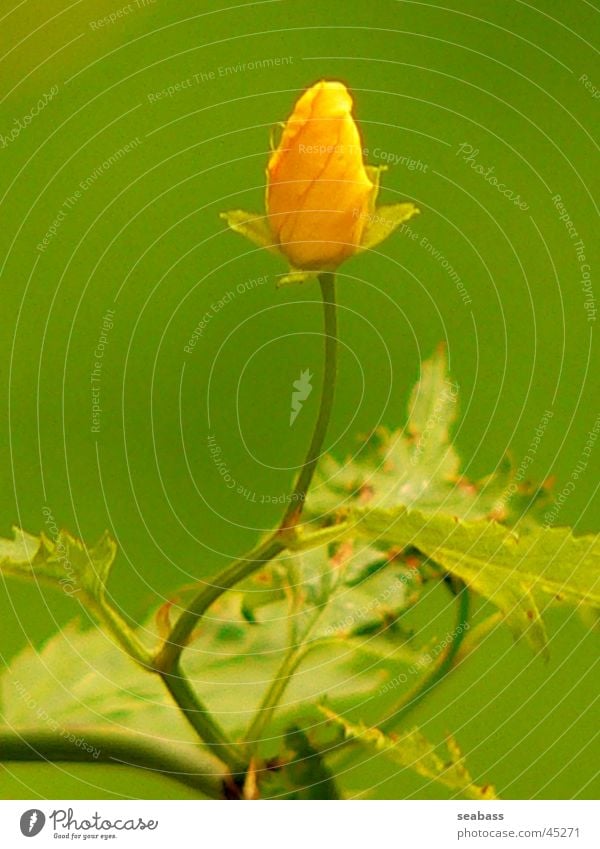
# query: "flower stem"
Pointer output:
{"type": "Point", "coordinates": [298, 496]}
{"type": "Point", "coordinates": [180, 635]}
{"type": "Point", "coordinates": [438, 671]}
{"type": "Point", "coordinates": [188, 765]}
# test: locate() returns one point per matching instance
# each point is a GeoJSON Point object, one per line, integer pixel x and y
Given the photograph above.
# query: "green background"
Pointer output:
{"type": "Point", "coordinates": [146, 241]}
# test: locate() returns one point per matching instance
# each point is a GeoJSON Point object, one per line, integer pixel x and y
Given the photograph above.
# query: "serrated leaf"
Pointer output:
{"type": "Point", "coordinates": [65, 563]}
{"type": "Point", "coordinates": [358, 589]}
{"type": "Point", "coordinates": [433, 404]}
{"type": "Point", "coordinates": [412, 750]}
{"type": "Point", "coordinates": [417, 467]}
{"type": "Point", "coordinates": [81, 572]}
{"type": "Point", "coordinates": [516, 571]}
{"type": "Point", "coordinates": [19, 552]}
{"type": "Point", "coordinates": [81, 678]}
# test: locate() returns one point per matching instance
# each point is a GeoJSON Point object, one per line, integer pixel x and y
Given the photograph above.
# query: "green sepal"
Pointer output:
{"type": "Point", "coordinates": [256, 228]}
{"type": "Point", "coordinates": [382, 222]}
{"type": "Point", "coordinates": [374, 173]}
{"type": "Point", "coordinates": [295, 277]}
{"type": "Point", "coordinates": [253, 226]}
{"type": "Point", "coordinates": [275, 134]}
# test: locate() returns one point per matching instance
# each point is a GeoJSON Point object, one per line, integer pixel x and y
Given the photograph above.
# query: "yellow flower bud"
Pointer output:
{"type": "Point", "coordinates": [318, 189]}
{"type": "Point", "coordinates": [320, 195]}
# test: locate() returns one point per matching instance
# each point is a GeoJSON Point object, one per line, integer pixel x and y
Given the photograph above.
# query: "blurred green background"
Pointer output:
{"type": "Point", "coordinates": [144, 240]}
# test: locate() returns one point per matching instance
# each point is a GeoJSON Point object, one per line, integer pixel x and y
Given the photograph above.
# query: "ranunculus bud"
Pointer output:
{"type": "Point", "coordinates": [320, 195]}
{"type": "Point", "coordinates": [318, 190]}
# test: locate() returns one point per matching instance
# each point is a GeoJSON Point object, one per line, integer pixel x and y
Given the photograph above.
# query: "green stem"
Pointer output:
{"type": "Point", "coordinates": [200, 718]}
{"type": "Point", "coordinates": [187, 764]}
{"type": "Point", "coordinates": [168, 656]}
{"type": "Point", "coordinates": [121, 632]}
{"type": "Point", "coordinates": [298, 496]}
{"type": "Point", "coordinates": [438, 672]}
{"type": "Point", "coordinates": [294, 656]}
{"type": "Point", "coordinates": [476, 636]}
{"type": "Point", "coordinates": [271, 699]}
{"type": "Point", "coordinates": [299, 540]}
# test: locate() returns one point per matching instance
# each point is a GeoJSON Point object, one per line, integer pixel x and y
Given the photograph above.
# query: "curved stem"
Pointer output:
{"type": "Point", "coordinates": [200, 718]}
{"type": "Point", "coordinates": [438, 672]}
{"type": "Point", "coordinates": [181, 632]}
{"type": "Point", "coordinates": [168, 656]}
{"type": "Point", "coordinates": [34, 745]}
{"type": "Point", "coordinates": [187, 764]}
{"type": "Point", "coordinates": [298, 496]}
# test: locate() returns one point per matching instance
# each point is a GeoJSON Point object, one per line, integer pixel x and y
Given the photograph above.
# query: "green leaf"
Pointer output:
{"type": "Point", "coordinates": [405, 489]}
{"type": "Point", "coordinates": [18, 553]}
{"type": "Point", "coordinates": [65, 563]}
{"type": "Point", "coordinates": [81, 572]}
{"type": "Point", "coordinates": [358, 590]}
{"type": "Point", "coordinates": [517, 571]}
{"type": "Point", "coordinates": [418, 467]}
{"type": "Point", "coordinates": [81, 678]}
{"type": "Point", "coordinates": [413, 751]}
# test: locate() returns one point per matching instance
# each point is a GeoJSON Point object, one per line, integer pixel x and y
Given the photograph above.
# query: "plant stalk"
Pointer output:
{"type": "Point", "coordinates": [187, 764]}
{"type": "Point", "coordinates": [298, 496]}
{"type": "Point", "coordinates": [292, 660]}
{"type": "Point", "coordinates": [168, 656]}
{"type": "Point", "coordinates": [438, 672]}
{"type": "Point", "coordinates": [200, 719]}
